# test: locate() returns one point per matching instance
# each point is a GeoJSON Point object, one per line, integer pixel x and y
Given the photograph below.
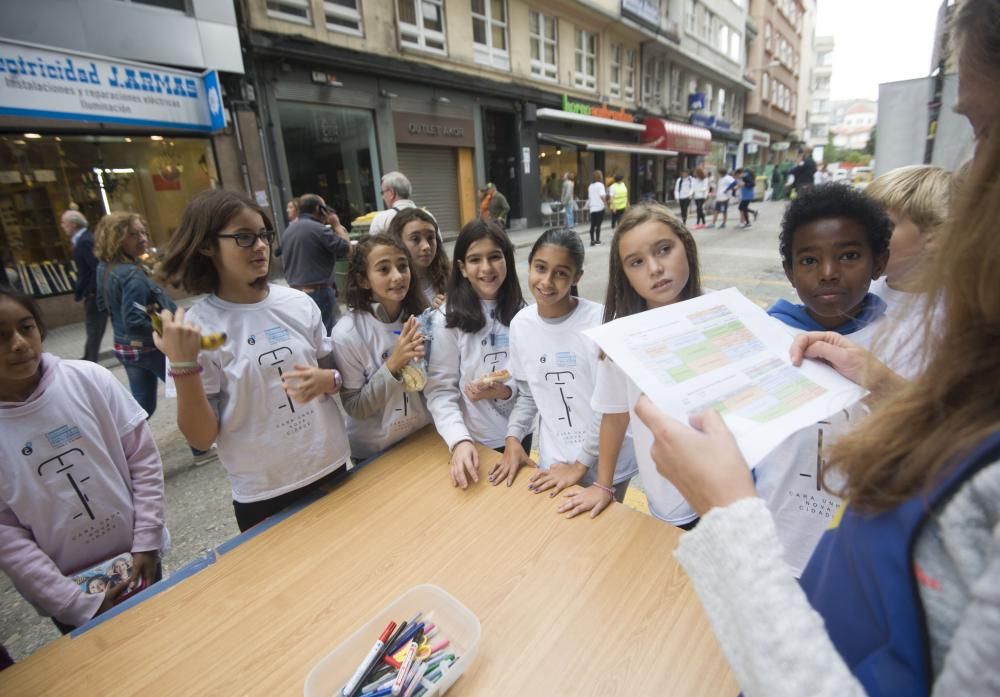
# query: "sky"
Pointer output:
{"type": "Point", "coordinates": [877, 41]}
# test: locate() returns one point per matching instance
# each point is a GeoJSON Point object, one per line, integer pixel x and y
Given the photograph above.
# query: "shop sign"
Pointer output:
{"type": "Point", "coordinates": [42, 82]}
{"type": "Point", "coordinates": [778, 147]}
{"type": "Point", "coordinates": [756, 137]}
{"type": "Point", "coordinates": [696, 101]}
{"type": "Point", "coordinates": [429, 129]}
{"type": "Point", "coordinates": [646, 10]}
{"type": "Point", "coordinates": [601, 112]}
{"type": "Point", "coordinates": [710, 122]}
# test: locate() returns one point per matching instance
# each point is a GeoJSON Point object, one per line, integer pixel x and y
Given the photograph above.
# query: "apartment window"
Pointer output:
{"type": "Point", "coordinates": [708, 98]}
{"type": "Point", "coordinates": [615, 83]}
{"type": "Point", "coordinates": [585, 73]}
{"type": "Point", "coordinates": [289, 10]}
{"type": "Point", "coordinates": [343, 16]}
{"type": "Point", "coordinates": [795, 103]}
{"type": "Point", "coordinates": [421, 25]}
{"type": "Point", "coordinates": [722, 38]}
{"type": "Point", "coordinates": [734, 45]}
{"type": "Point", "coordinates": [676, 89]}
{"type": "Point", "coordinates": [489, 33]}
{"type": "Point", "coordinates": [652, 76]}
{"type": "Point", "coordinates": [767, 37]}
{"type": "Point", "coordinates": [628, 80]}
{"type": "Point", "coordinates": [542, 32]}
{"type": "Point", "coordinates": [764, 80]}
{"type": "Point", "coordinates": [179, 5]}
{"type": "Point", "coordinates": [690, 18]}
{"type": "Point", "coordinates": [720, 104]}
{"type": "Point", "coordinates": [706, 24]}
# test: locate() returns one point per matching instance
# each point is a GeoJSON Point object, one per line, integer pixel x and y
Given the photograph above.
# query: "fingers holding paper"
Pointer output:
{"type": "Point", "coordinates": [847, 358]}
{"type": "Point", "coordinates": [702, 460]}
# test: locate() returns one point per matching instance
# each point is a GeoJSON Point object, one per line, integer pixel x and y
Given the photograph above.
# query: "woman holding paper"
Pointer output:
{"type": "Point", "coordinates": [901, 596]}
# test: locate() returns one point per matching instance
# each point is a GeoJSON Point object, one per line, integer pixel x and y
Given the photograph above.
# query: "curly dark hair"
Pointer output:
{"type": "Point", "coordinates": [835, 201]}
{"type": "Point", "coordinates": [359, 298]}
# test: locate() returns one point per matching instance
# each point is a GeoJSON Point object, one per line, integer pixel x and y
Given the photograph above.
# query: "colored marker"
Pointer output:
{"type": "Point", "coordinates": [415, 682]}
{"type": "Point", "coordinates": [411, 654]}
{"type": "Point", "coordinates": [369, 659]}
{"type": "Point", "coordinates": [377, 662]}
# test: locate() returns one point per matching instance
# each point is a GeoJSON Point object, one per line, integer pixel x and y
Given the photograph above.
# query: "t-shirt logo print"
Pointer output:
{"type": "Point", "coordinates": [560, 378]}
{"type": "Point", "coordinates": [494, 359]}
{"type": "Point", "coordinates": [277, 362]}
{"type": "Point", "coordinates": [65, 466]}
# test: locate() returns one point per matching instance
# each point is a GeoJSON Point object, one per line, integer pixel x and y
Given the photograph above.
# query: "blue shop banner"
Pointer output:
{"type": "Point", "coordinates": [44, 82]}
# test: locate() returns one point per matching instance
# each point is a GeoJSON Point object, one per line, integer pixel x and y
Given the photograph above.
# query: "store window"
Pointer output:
{"type": "Point", "coordinates": [585, 75]}
{"type": "Point", "coordinates": [553, 162]}
{"type": "Point", "coordinates": [542, 33]}
{"type": "Point", "coordinates": [421, 25]}
{"type": "Point", "coordinates": [330, 151]}
{"type": "Point", "coordinates": [343, 16]}
{"type": "Point", "coordinates": [290, 10]}
{"type": "Point", "coordinates": [489, 33]}
{"type": "Point", "coordinates": [41, 176]}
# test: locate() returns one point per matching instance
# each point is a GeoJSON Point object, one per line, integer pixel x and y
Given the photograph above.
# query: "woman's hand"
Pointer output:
{"type": "Point", "coordinates": [476, 391]}
{"type": "Point", "coordinates": [409, 345]}
{"type": "Point", "coordinates": [847, 358]}
{"type": "Point", "coordinates": [561, 475]}
{"type": "Point", "coordinates": [513, 459]}
{"type": "Point", "coordinates": [593, 499]}
{"type": "Point", "coordinates": [701, 460]}
{"type": "Point", "coordinates": [180, 341]}
{"type": "Point", "coordinates": [464, 464]}
{"type": "Point", "coordinates": [305, 383]}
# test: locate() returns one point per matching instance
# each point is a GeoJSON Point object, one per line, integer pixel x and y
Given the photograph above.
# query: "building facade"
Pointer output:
{"type": "Point", "coordinates": [114, 106]}
{"type": "Point", "coordinates": [774, 62]}
{"type": "Point", "coordinates": [852, 122]}
{"type": "Point", "coordinates": [454, 94]}
{"type": "Point", "coordinates": [818, 128]}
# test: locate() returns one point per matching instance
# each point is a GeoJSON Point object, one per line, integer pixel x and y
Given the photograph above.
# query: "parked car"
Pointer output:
{"type": "Point", "coordinates": [861, 177]}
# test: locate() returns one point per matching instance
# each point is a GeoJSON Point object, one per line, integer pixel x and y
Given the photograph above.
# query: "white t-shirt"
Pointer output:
{"type": "Point", "coordinates": [383, 219]}
{"type": "Point", "coordinates": [721, 193]}
{"type": "Point", "coordinates": [361, 343]}
{"type": "Point", "coordinates": [269, 444]}
{"type": "Point", "coordinates": [787, 479]}
{"type": "Point", "coordinates": [900, 342]}
{"type": "Point", "coordinates": [65, 477]}
{"type": "Point", "coordinates": [596, 194]}
{"type": "Point", "coordinates": [699, 188]}
{"type": "Point", "coordinates": [559, 364]}
{"type": "Point", "coordinates": [457, 358]}
{"type": "Point", "coordinates": [615, 393]}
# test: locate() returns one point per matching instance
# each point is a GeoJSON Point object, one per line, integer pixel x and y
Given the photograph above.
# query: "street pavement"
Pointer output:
{"type": "Point", "coordinates": [199, 507]}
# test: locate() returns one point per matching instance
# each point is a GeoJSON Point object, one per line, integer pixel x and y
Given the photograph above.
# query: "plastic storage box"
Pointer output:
{"type": "Point", "coordinates": [455, 620]}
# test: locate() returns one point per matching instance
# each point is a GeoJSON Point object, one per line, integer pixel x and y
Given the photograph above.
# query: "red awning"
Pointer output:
{"type": "Point", "coordinates": [673, 135]}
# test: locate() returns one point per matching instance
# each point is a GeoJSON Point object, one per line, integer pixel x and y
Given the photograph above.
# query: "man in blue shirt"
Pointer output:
{"type": "Point", "coordinates": [74, 224]}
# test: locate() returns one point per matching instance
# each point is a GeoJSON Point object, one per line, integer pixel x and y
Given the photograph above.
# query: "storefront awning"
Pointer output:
{"type": "Point", "coordinates": [606, 145]}
{"type": "Point", "coordinates": [682, 137]}
{"type": "Point", "coordinates": [560, 115]}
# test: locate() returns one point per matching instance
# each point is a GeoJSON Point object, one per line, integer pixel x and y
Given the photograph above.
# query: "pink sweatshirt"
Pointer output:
{"type": "Point", "coordinates": [81, 481]}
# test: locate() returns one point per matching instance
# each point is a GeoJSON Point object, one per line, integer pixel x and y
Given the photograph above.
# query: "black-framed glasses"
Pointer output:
{"type": "Point", "coordinates": [249, 239]}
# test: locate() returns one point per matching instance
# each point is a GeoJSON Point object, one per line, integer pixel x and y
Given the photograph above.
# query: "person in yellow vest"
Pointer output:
{"type": "Point", "coordinates": [618, 193]}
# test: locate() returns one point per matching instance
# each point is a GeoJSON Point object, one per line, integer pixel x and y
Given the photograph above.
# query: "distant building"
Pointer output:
{"type": "Point", "coordinates": [818, 120]}
{"type": "Point", "coordinates": [852, 123]}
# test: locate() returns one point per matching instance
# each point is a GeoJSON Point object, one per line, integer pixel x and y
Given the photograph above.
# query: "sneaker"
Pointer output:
{"type": "Point", "coordinates": [711, 226]}
{"type": "Point", "coordinates": [755, 214]}
{"type": "Point", "coordinates": [210, 455]}
{"type": "Point", "coordinates": [722, 226]}
{"type": "Point", "coordinates": [746, 227]}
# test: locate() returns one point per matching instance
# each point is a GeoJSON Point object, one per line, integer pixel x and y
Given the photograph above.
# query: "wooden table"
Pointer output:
{"type": "Point", "coordinates": [568, 607]}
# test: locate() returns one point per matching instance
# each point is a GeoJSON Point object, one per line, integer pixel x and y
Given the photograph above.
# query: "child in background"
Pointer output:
{"type": "Point", "coordinates": [917, 201]}
{"type": "Point", "coordinates": [471, 340]}
{"type": "Point", "coordinates": [555, 367]}
{"type": "Point", "coordinates": [81, 480]}
{"type": "Point", "coordinates": [418, 230]}
{"type": "Point", "coordinates": [263, 396]}
{"type": "Point", "coordinates": [834, 242]}
{"type": "Point", "coordinates": [653, 263]}
{"type": "Point", "coordinates": [375, 341]}
{"type": "Point", "coordinates": [723, 192]}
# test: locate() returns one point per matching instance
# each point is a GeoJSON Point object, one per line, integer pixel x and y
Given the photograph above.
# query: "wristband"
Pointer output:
{"type": "Point", "coordinates": [338, 380]}
{"type": "Point", "coordinates": [183, 364]}
{"type": "Point", "coordinates": [185, 372]}
{"type": "Point", "coordinates": [608, 489]}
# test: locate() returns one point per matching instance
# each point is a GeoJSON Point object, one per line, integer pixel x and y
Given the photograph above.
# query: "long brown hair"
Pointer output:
{"type": "Point", "coordinates": [205, 216]}
{"type": "Point", "coordinates": [437, 272]}
{"type": "Point", "coordinates": [920, 431]}
{"type": "Point", "coordinates": [359, 298]}
{"type": "Point", "coordinates": [110, 233]}
{"type": "Point", "coordinates": [621, 300]}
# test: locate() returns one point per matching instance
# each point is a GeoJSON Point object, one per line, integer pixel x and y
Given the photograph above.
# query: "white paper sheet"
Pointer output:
{"type": "Point", "coordinates": [721, 351]}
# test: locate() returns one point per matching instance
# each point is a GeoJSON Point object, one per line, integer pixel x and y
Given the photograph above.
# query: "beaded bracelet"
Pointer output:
{"type": "Point", "coordinates": [185, 372]}
{"type": "Point", "coordinates": [184, 364]}
{"type": "Point", "coordinates": [608, 489]}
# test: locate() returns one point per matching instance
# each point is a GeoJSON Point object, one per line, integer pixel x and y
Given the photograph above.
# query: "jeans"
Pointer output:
{"type": "Point", "coordinates": [326, 301]}
{"type": "Point", "coordinates": [684, 202]}
{"type": "Point", "coordinates": [596, 218]}
{"type": "Point", "coordinates": [95, 323]}
{"type": "Point", "coordinates": [700, 217]}
{"type": "Point", "coordinates": [143, 376]}
{"type": "Point", "coordinates": [570, 210]}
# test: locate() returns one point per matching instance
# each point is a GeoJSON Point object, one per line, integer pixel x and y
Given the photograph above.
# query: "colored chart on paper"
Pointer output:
{"type": "Point", "coordinates": [774, 389]}
{"type": "Point", "coordinates": [717, 339]}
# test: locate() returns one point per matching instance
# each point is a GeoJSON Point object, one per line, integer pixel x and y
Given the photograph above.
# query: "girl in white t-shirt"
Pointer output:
{"type": "Point", "coordinates": [471, 341]}
{"type": "Point", "coordinates": [597, 202]}
{"type": "Point", "coordinates": [418, 230]}
{"type": "Point", "coordinates": [654, 262]}
{"type": "Point", "coordinates": [555, 367]}
{"type": "Point", "coordinates": [81, 481]}
{"type": "Point", "coordinates": [265, 396]}
{"type": "Point", "coordinates": [375, 341]}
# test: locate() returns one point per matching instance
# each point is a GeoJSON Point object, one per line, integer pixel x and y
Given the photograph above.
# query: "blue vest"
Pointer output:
{"type": "Point", "coordinates": [861, 580]}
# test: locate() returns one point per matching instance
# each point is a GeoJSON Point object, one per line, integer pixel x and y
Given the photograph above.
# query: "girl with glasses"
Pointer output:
{"type": "Point", "coordinates": [265, 396]}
